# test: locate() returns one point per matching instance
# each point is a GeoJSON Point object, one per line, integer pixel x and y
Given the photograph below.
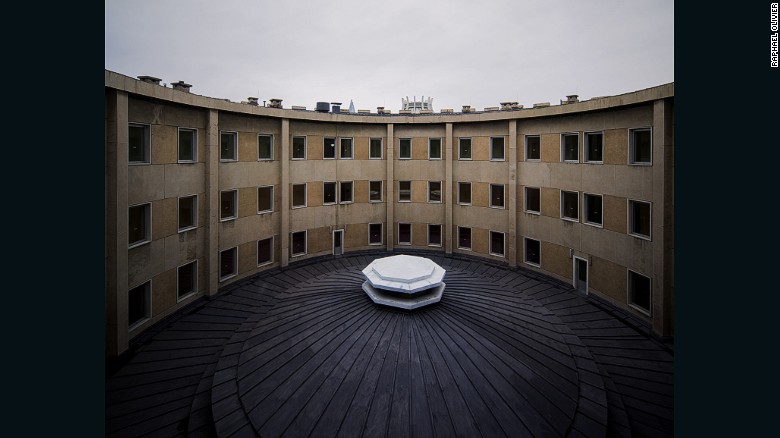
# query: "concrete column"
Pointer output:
{"type": "Point", "coordinates": [512, 204]}
{"type": "Point", "coordinates": [212, 199]}
{"type": "Point", "coordinates": [449, 189]}
{"type": "Point", "coordinates": [663, 218]}
{"type": "Point", "coordinates": [116, 219]}
{"type": "Point", "coordinates": [285, 187]}
{"type": "Point", "coordinates": [390, 156]}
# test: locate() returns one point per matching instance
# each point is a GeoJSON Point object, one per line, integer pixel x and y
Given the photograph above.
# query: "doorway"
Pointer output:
{"type": "Point", "coordinates": [581, 275]}
{"type": "Point", "coordinates": [338, 242]}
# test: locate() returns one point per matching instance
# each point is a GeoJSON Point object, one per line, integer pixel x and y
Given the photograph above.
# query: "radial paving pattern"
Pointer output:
{"type": "Point", "coordinates": [304, 352]}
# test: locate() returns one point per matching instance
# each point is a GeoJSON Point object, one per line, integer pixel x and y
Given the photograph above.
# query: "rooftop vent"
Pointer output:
{"type": "Point", "coordinates": [467, 109]}
{"type": "Point", "coordinates": [252, 101]}
{"type": "Point", "coordinates": [573, 98]}
{"type": "Point", "coordinates": [322, 107]}
{"type": "Point", "coordinates": [335, 107]}
{"type": "Point", "coordinates": [541, 105]}
{"type": "Point", "coordinates": [275, 103]}
{"type": "Point", "coordinates": [150, 79]}
{"type": "Point", "coordinates": [447, 110]}
{"type": "Point", "coordinates": [181, 86]}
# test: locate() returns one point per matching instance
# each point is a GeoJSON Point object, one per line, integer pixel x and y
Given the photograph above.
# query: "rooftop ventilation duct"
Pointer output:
{"type": "Point", "coordinates": [150, 79]}
{"type": "Point", "coordinates": [252, 101]}
{"type": "Point", "coordinates": [322, 107]}
{"type": "Point", "coordinates": [181, 86]}
{"type": "Point", "coordinates": [335, 107]}
{"type": "Point", "coordinates": [275, 103]}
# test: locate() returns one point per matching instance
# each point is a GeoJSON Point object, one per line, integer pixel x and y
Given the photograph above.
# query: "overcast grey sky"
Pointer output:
{"type": "Point", "coordinates": [459, 52]}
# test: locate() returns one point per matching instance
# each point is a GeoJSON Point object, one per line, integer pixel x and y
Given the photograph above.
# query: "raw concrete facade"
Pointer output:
{"type": "Point", "coordinates": [347, 191]}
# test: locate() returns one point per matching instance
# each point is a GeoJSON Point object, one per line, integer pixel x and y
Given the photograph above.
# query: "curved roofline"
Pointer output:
{"type": "Point", "coordinates": [131, 85]}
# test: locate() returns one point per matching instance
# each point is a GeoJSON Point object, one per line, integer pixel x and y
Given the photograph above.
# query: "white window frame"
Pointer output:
{"type": "Point", "coordinates": [631, 132]}
{"type": "Point", "coordinates": [440, 192]}
{"type": "Point", "coordinates": [335, 193]}
{"type": "Point", "coordinates": [499, 207]}
{"type": "Point", "coordinates": [381, 191]}
{"type": "Point", "coordinates": [305, 196]}
{"type": "Point", "coordinates": [147, 143]}
{"type": "Point", "coordinates": [563, 147]}
{"type": "Point", "coordinates": [441, 149]}
{"type": "Point", "coordinates": [630, 294]}
{"type": "Point", "coordinates": [381, 148]}
{"type": "Point", "coordinates": [525, 200]}
{"type": "Point", "coordinates": [235, 147]}
{"type": "Point", "coordinates": [259, 158]}
{"type": "Point", "coordinates": [410, 191]}
{"type": "Point", "coordinates": [410, 148]}
{"type": "Point", "coordinates": [526, 148]}
{"type": "Point", "coordinates": [459, 190]}
{"type": "Point", "coordinates": [490, 243]}
{"type": "Point", "coordinates": [235, 205]}
{"type": "Point", "coordinates": [351, 148]}
{"type": "Point", "coordinates": [305, 243]}
{"type": "Point", "coordinates": [630, 219]}
{"type": "Point", "coordinates": [194, 146]}
{"type": "Point", "coordinates": [147, 305]}
{"type": "Point", "coordinates": [492, 158]}
{"type": "Point", "coordinates": [586, 150]}
{"type": "Point", "coordinates": [147, 225]}
{"type": "Point", "coordinates": [305, 148]}
{"type": "Point", "coordinates": [566, 218]}
{"type": "Point", "coordinates": [335, 148]}
{"type": "Point", "coordinates": [525, 252]}
{"type": "Point", "coordinates": [471, 243]}
{"type": "Point", "coordinates": [194, 213]}
{"type": "Point", "coordinates": [411, 230]}
{"type": "Point", "coordinates": [381, 234]}
{"type": "Point", "coordinates": [194, 290]}
{"type": "Point", "coordinates": [235, 264]}
{"type": "Point", "coordinates": [257, 245]}
{"type": "Point", "coordinates": [271, 210]}
{"type": "Point", "coordinates": [471, 149]}
{"type": "Point", "coordinates": [351, 194]}
{"type": "Point", "coordinates": [585, 209]}
{"type": "Point", "coordinates": [441, 237]}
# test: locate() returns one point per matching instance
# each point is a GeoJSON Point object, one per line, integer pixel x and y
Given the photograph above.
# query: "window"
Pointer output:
{"type": "Point", "coordinates": [464, 238]}
{"type": "Point", "coordinates": [298, 195]}
{"type": "Point", "coordinates": [594, 142]}
{"type": "Point", "coordinates": [188, 213]}
{"type": "Point", "coordinates": [497, 196]}
{"type": "Point", "coordinates": [639, 292]}
{"type": "Point", "coordinates": [593, 209]}
{"type": "Point", "coordinates": [329, 193]}
{"type": "Point", "coordinates": [497, 243]}
{"type": "Point", "coordinates": [464, 193]}
{"type": "Point", "coordinates": [139, 225]}
{"type": "Point", "coordinates": [639, 219]}
{"type": "Point", "coordinates": [375, 149]}
{"type": "Point", "coordinates": [405, 148]}
{"type": "Point", "coordinates": [434, 191]}
{"type": "Point", "coordinates": [497, 148]}
{"type": "Point", "coordinates": [434, 235]}
{"type": "Point", "coordinates": [298, 246]}
{"type": "Point", "coordinates": [404, 191]}
{"type": "Point", "coordinates": [299, 148]}
{"type": "Point", "coordinates": [533, 250]}
{"type": "Point", "coordinates": [434, 149]}
{"type": "Point", "coordinates": [265, 147]}
{"type": "Point", "coordinates": [139, 300]}
{"type": "Point", "coordinates": [265, 199]}
{"type": "Point", "coordinates": [139, 144]}
{"type": "Point", "coordinates": [533, 147]}
{"type": "Point", "coordinates": [328, 148]}
{"type": "Point", "coordinates": [570, 148]}
{"type": "Point", "coordinates": [533, 200]}
{"type": "Point", "coordinates": [265, 251]}
{"type": "Point", "coordinates": [346, 148]}
{"type": "Point", "coordinates": [228, 146]}
{"type": "Point", "coordinates": [346, 192]}
{"type": "Point", "coordinates": [227, 205]}
{"type": "Point", "coordinates": [375, 191]}
{"type": "Point", "coordinates": [569, 205]}
{"type": "Point", "coordinates": [227, 263]}
{"type": "Point", "coordinates": [186, 280]}
{"type": "Point", "coordinates": [404, 234]}
{"type": "Point", "coordinates": [374, 234]}
{"type": "Point", "coordinates": [188, 145]}
{"type": "Point", "coordinates": [464, 148]}
{"type": "Point", "coordinates": [640, 146]}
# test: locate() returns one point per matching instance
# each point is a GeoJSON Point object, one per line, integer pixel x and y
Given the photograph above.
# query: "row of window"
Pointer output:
{"type": "Point", "coordinates": [639, 147]}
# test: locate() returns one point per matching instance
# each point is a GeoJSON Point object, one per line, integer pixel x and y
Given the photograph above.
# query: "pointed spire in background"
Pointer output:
{"type": "Point", "coordinates": [352, 107]}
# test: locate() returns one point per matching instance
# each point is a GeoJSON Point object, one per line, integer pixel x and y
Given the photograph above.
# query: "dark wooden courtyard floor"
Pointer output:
{"type": "Point", "coordinates": [304, 352]}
